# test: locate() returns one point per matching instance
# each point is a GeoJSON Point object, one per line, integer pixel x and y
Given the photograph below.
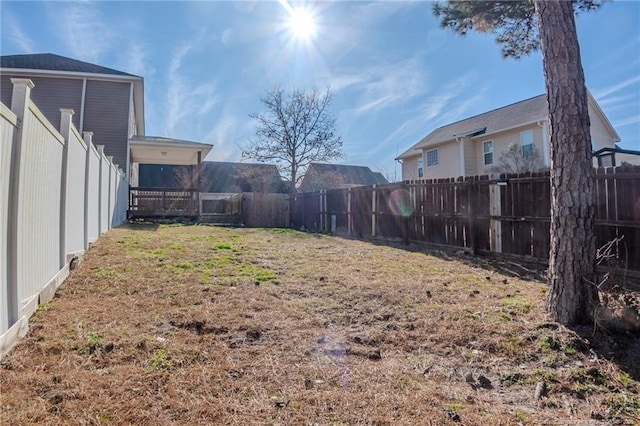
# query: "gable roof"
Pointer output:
{"type": "Point", "coordinates": [500, 119]}
{"type": "Point", "coordinates": [223, 176]}
{"type": "Point", "coordinates": [503, 118]}
{"type": "Point", "coordinates": [217, 177]}
{"type": "Point", "coordinates": [51, 65]}
{"type": "Point", "coordinates": [51, 62]}
{"type": "Point", "coordinates": [339, 175]}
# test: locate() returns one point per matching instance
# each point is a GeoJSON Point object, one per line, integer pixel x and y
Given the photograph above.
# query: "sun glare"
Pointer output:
{"type": "Point", "coordinates": [301, 24]}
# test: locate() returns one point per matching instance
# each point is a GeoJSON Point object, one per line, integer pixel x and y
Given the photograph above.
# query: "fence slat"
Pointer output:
{"type": "Point", "coordinates": [513, 218]}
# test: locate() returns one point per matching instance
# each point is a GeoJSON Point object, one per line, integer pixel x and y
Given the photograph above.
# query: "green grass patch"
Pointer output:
{"type": "Point", "coordinates": [161, 360]}
{"type": "Point", "coordinates": [548, 344]}
{"type": "Point", "coordinates": [102, 272]}
{"type": "Point", "coordinates": [222, 246]}
{"type": "Point", "coordinates": [591, 375]}
{"type": "Point", "coordinates": [517, 304]}
{"type": "Point", "coordinates": [624, 404]}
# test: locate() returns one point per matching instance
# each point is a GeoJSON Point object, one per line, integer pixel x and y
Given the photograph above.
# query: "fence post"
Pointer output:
{"type": "Point", "coordinates": [349, 213]}
{"type": "Point", "coordinates": [495, 210]}
{"type": "Point", "coordinates": [471, 197]}
{"type": "Point", "coordinates": [373, 211]}
{"type": "Point", "coordinates": [65, 130]}
{"type": "Point", "coordinates": [109, 206]}
{"type": "Point", "coordinates": [100, 187]}
{"type": "Point", "coordinates": [88, 139]}
{"type": "Point", "coordinates": [19, 106]}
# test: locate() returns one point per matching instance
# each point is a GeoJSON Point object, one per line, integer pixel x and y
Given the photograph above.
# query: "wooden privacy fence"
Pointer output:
{"type": "Point", "coordinates": [510, 215]}
{"type": "Point", "coordinates": [265, 210]}
{"type": "Point", "coordinates": [58, 193]}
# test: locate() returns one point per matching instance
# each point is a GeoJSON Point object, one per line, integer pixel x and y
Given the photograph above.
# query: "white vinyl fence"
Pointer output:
{"type": "Point", "coordinates": [58, 193]}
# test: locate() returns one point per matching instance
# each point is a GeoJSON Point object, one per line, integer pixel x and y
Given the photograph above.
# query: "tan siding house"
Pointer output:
{"type": "Point", "coordinates": [474, 145]}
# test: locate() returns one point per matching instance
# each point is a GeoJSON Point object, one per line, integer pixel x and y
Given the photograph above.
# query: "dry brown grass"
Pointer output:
{"type": "Point", "coordinates": [204, 325]}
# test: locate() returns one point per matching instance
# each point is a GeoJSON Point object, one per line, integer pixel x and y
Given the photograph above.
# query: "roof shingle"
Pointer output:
{"type": "Point", "coordinates": [506, 117]}
{"type": "Point", "coordinates": [51, 62]}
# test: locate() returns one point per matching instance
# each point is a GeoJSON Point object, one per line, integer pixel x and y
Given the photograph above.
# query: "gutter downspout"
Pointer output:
{"type": "Point", "coordinates": [82, 102]}
{"type": "Point", "coordinates": [461, 141]}
{"type": "Point", "coordinates": [544, 124]}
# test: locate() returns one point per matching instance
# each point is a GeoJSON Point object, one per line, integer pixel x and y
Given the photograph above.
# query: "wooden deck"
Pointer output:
{"type": "Point", "coordinates": [148, 203]}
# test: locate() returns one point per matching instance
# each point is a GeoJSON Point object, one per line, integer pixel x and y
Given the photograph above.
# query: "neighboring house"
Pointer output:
{"type": "Point", "coordinates": [216, 177]}
{"type": "Point", "coordinates": [473, 146]}
{"type": "Point", "coordinates": [107, 102]}
{"type": "Point", "coordinates": [321, 176]}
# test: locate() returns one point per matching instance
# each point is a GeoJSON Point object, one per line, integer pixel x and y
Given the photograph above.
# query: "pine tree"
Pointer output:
{"type": "Point", "coordinates": [521, 27]}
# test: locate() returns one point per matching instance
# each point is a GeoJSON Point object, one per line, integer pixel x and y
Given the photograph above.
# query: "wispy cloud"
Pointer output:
{"type": "Point", "coordinates": [627, 121]}
{"type": "Point", "coordinates": [178, 102]}
{"type": "Point", "coordinates": [16, 34]}
{"type": "Point", "coordinates": [227, 135]}
{"type": "Point", "coordinates": [616, 100]}
{"type": "Point", "coordinates": [83, 31]}
{"type": "Point", "coordinates": [135, 60]}
{"type": "Point", "coordinates": [382, 86]}
{"type": "Point", "coordinates": [602, 93]}
{"type": "Point", "coordinates": [439, 105]}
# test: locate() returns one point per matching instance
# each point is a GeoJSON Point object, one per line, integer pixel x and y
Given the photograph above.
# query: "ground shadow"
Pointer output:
{"type": "Point", "coordinates": [615, 333]}
{"type": "Point", "coordinates": [140, 226]}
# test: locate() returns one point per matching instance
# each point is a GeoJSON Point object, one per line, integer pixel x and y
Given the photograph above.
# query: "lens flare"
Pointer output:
{"type": "Point", "coordinates": [399, 203]}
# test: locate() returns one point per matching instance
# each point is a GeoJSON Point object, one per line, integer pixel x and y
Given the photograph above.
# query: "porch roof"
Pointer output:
{"type": "Point", "coordinates": [158, 150]}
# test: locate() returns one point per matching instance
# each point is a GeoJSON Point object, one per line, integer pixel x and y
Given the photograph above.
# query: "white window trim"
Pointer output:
{"type": "Point", "coordinates": [426, 156]}
{"type": "Point", "coordinates": [484, 159]}
{"type": "Point", "coordinates": [522, 144]}
{"type": "Point", "coordinates": [420, 167]}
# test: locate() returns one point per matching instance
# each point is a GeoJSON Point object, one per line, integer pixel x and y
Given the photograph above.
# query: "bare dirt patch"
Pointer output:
{"type": "Point", "coordinates": [205, 325]}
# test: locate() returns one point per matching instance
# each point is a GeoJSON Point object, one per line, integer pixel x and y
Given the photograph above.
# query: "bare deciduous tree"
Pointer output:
{"type": "Point", "coordinates": [514, 160]}
{"type": "Point", "coordinates": [295, 130]}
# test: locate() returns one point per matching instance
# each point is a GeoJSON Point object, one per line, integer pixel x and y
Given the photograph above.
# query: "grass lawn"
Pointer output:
{"type": "Point", "coordinates": [206, 325]}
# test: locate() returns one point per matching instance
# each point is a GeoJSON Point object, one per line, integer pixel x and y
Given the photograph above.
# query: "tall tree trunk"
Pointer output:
{"type": "Point", "coordinates": [573, 295]}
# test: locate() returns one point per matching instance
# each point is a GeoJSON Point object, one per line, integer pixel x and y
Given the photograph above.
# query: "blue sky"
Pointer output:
{"type": "Point", "coordinates": [395, 74]}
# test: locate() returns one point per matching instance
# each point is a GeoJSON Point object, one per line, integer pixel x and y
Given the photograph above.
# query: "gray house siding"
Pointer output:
{"type": "Point", "coordinates": [49, 95]}
{"type": "Point", "coordinates": [106, 114]}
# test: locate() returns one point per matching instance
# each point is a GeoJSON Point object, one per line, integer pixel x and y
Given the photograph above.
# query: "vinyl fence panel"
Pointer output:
{"type": "Point", "coordinates": [93, 195]}
{"type": "Point", "coordinates": [8, 123]}
{"type": "Point", "coordinates": [76, 164]}
{"type": "Point", "coordinates": [104, 191]}
{"type": "Point", "coordinates": [38, 227]}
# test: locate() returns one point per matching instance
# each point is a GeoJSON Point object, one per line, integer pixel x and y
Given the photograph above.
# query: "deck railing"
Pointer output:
{"type": "Point", "coordinates": [145, 201]}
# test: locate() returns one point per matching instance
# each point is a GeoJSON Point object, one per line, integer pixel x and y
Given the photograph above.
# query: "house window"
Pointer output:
{"type": "Point", "coordinates": [487, 149]}
{"type": "Point", "coordinates": [420, 167]}
{"type": "Point", "coordinates": [526, 141]}
{"type": "Point", "coordinates": [432, 158]}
